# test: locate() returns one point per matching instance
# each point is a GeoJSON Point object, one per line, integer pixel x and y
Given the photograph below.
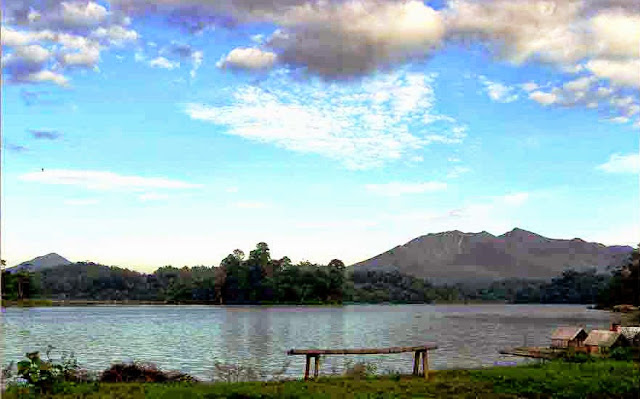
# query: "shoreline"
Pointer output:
{"type": "Point", "coordinates": [131, 302]}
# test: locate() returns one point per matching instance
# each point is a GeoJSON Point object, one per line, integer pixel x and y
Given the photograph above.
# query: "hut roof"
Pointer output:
{"type": "Point", "coordinates": [602, 338]}
{"type": "Point", "coordinates": [566, 333]}
{"type": "Point", "coordinates": [630, 332]}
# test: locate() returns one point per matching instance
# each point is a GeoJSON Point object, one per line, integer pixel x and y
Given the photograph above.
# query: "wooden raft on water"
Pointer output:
{"type": "Point", "coordinates": [533, 352]}
{"type": "Point", "coordinates": [420, 352]}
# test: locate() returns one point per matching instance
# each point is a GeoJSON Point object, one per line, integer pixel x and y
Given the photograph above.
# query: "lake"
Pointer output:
{"type": "Point", "coordinates": [192, 338]}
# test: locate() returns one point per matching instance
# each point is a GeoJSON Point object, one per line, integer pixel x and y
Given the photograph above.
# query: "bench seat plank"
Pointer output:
{"type": "Point", "coordinates": [363, 351]}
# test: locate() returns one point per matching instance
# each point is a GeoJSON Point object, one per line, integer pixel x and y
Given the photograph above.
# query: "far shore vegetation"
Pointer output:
{"type": "Point", "coordinates": [259, 279]}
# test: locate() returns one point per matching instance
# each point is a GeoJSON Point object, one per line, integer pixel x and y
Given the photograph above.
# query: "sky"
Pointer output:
{"type": "Point", "coordinates": [145, 133]}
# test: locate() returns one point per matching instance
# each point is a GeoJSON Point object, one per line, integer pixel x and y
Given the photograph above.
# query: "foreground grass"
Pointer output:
{"type": "Point", "coordinates": [602, 379]}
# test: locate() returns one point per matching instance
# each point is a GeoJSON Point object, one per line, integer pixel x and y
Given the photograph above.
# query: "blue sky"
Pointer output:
{"type": "Point", "coordinates": [175, 134]}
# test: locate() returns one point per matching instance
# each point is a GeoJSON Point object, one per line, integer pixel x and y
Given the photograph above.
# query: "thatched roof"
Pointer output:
{"type": "Point", "coordinates": [602, 338]}
{"type": "Point", "coordinates": [566, 333]}
{"type": "Point", "coordinates": [630, 332]}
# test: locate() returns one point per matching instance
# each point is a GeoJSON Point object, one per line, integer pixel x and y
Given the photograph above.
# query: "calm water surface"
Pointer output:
{"type": "Point", "coordinates": [192, 338]}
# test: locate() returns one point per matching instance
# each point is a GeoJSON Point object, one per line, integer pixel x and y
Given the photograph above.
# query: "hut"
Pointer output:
{"type": "Point", "coordinates": [601, 341]}
{"type": "Point", "coordinates": [565, 337]}
{"type": "Point", "coordinates": [632, 334]}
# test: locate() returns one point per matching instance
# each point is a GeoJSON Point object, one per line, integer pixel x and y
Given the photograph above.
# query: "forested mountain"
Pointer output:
{"type": "Point", "coordinates": [455, 256]}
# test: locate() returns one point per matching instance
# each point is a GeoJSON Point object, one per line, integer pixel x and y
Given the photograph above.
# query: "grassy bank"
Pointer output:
{"type": "Point", "coordinates": [600, 379]}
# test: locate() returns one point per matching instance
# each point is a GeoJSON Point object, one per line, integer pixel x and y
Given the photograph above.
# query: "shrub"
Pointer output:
{"type": "Point", "coordinates": [576, 357]}
{"type": "Point", "coordinates": [360, 370]}
{"type": "Point", "coordinates": [142, 372]}
{"type": "Point", "coordinates": [42, 375]}
{"type": "Point", "coordinates": [621, 354]}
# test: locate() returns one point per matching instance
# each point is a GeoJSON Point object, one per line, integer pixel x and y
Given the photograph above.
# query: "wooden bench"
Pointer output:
{"type": "Point", "coordinates": [420, 352]}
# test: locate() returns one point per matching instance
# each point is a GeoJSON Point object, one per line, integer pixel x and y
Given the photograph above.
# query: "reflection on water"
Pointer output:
{"type": "Point", "coordinates": [192, 338]}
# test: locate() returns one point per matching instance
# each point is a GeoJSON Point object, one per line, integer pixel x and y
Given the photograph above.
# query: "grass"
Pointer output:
{"type": "Point", "coordinates": [556, 379]}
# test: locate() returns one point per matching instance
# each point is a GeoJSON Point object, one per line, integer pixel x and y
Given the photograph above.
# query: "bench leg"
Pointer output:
{"type": "Point", "coordinates": [315, 370]}
{"type": "Point", "coordinates": [416, 362]}
{"type": "Point", "coordinates": [425, 365]}
{"type": "Point", "coordinates": [306, 367]}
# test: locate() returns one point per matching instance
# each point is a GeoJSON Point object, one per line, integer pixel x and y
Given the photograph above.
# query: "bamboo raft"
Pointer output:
{"type": "Point", "coordinates": [533, 352]}
{"type": "Point", "coordinates": [420, 354]}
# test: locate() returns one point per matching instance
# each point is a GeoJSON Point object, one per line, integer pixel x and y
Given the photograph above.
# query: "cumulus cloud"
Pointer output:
{"type": "Point", "coordinates": [43, 76]}
{"type": "Point", "coordinates": [99, 180]}
{"type": "Point", "coordinates": [543, 98]}
{"type": "Point", "coordinates": [161, 62]}
{"type": "Point", "coordinates": [619, 163]}
{"type": "Point", "coordinates": [619, 72]}
{"type": "Point", "coordinates": [43, 39]}
{"type": "Point", "coordinates": [498, 91]}
{"type": "Point", "coordinates": [400, 188]}
{"type": "Point", "coordinates": [247, 58]}
{"type": "Point", "coordinates": [355, 37]}
{"type": "Point", "coordinates": [116, 35]}
{"type": "Point", "coordinates": [363, 125]}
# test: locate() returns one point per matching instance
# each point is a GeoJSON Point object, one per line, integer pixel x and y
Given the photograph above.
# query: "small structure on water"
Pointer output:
{"type": "Point", "coordinates": [565, 337]}
{"type": "Point", "coordinates": [601, 341]}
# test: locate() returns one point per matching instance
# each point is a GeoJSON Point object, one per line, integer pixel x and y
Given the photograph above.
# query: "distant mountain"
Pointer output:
{"type": "Point", "coordinates": [41, 262]}
{"type": "Point", "coordinates": [456, 256]}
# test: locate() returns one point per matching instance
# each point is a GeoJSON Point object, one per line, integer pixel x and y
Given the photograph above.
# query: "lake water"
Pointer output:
{"type": "Point", "coordinates": [192, 338]}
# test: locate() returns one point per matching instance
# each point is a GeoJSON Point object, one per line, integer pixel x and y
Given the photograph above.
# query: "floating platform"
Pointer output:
{"type": "Point", "coordinates": [534, 352]}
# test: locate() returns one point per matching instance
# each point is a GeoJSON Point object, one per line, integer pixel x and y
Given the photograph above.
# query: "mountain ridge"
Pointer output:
{"type": "Point", "coordinates": [453, 256]}
{"type": "Point", "coordinates": [41, 262]}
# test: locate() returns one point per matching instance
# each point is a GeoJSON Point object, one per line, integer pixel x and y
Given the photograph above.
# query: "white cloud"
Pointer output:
{"type": "Point", "coordinates": [87, 57]}
{"type": "Point", "coordinates": [116, 34]}
{"type": "Point", "coordinates": [617, 34]}
{"type": "Point", "coordinates": [529, 86]}
{"type": "Point", "coordinates": [161, 62]}
{"type": "Point", "coordinates": [621, 72]}
{"type": "Point", "coordinates": [579, 84]}
{"type": "Point", "coordinates": [399, 188]}
{"type": "Point", "coordinates": [248, 58]}
{"type": "Point", "coordinates": [232, 189]}
{"type": "Point", "coordinates": [250, 205]}
{"type": "Point", "coordinates": [618, 119]}
{"type": "Point", "coordinates": [152, 197]}
{"type": "Point", "coordinates": [98, 180]}
{"type": "Point", "coordinates": [47, 76]}
{"type": "Point", "coordinates": [83, 14]}
{"type": "Point", "coordinates": [350, 123]}
{"type": "Point", "coordinates": [543, 98]}
{"type": "Point", "coordinates": [196, 59]}
{"type": "Point", "coordinates": [500, 92]}
{"type": "Point", "coordinates": [618, 163]}
{"type": "Point", "coordinates": [456, 171]}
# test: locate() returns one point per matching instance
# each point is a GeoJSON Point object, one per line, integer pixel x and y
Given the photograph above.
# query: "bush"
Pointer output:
{"type": "Point", "coordinates": [360, 370]}
{"type": "Point", "coordinates": [44, 376]}
{"type": "Point", "coordinates": [142, 372]}
{"type": "Point", "coordinates": [576, 357]}
{"type": "Point", "coordinates": [621, 354]}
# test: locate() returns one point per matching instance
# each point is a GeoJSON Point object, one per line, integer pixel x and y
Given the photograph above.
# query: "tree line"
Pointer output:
{"type": "Point", "coordinates": [259, 279]}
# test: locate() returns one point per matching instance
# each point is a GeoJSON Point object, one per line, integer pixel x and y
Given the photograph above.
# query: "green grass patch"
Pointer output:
{"type": "Point", "coordinates": [598, 379]}
{"type": "Point", "coordinates": [566, 380]}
